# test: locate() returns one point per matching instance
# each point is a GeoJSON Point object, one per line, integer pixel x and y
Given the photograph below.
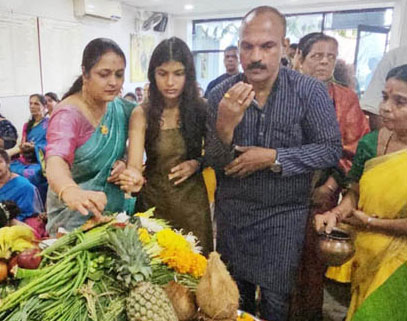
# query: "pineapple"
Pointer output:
{"type": "Point", "coordinates": [149, 302]}
{"type": "Point", "coordinates": [132, 264]}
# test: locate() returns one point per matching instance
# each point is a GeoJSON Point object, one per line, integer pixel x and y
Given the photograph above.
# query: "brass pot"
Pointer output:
{"type": "Point", "coordinates": [336, 248]}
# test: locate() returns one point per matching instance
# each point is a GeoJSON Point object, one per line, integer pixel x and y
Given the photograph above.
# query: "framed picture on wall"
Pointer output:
{"type": "Point", "coordinates": [141, 48]}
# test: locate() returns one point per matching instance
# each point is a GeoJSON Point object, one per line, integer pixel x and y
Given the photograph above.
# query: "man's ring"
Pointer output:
{"type": "Point", "coordinates": [240, 101]}
{"type": "Point", "coordinates": [226, 95]}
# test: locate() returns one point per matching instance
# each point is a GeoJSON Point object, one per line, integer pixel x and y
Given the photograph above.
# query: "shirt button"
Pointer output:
{"type": "Point", "coordinates": [263, 116]}
{"type": "Point", "coordinates": [261, 133]}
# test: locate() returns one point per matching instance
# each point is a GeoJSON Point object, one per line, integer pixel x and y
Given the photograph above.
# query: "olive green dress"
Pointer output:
{"type": "Point", "coordinates": [186, 205]}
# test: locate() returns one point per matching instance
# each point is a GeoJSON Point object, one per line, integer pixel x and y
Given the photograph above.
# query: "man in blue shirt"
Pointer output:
{"type": "Point", "coordinates": [269, 129]}
{"type": "Point", "coordinates": [231, 62]}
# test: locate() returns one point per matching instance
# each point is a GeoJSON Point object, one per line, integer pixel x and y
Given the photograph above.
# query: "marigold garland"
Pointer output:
{"type": "Point", "coordinates": [184, 261]}
{"type": "Point", "coordinates": [172, 248]}
{"type": "Point", "coordinates": [168, 239]}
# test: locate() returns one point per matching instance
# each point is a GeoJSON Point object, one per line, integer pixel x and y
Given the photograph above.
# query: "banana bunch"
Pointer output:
{"type": "Point", "coordinates": [15, 239]}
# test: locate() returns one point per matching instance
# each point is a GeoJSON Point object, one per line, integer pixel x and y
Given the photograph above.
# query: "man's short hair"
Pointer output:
{"type": "Point", "coordinates": [229, 48]}
{"type": "Point", "coordinates": [265, 9]}
{"type": "Point", "coordinates": [294, 46]}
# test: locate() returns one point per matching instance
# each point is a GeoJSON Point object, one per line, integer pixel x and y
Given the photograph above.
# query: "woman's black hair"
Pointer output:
{"type": "Point", "coordinates": [8, 211]}
{"type": "Point", "coordinates": [305, 44]}
{"type": "Point", "coordinates": [399, 73]}
{"type": "Point", "coordinates": [192, 107]}
{"type": "Point", "coordinates": [43, 102]}
{"type": "Point", "coordinates": [53, 96]}
{"type": "Point", "coordinates": [4, 155]}
{"type": "Point", "coordinates": [92, 53]}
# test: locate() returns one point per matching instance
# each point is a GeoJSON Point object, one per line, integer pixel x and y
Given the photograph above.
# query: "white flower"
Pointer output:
{"type": "Point", "coordinates": [122, 217]}
{"type": "Point", "coordinates": [151, 225]}
{"type": "Point", "coordinates": [193, 241]}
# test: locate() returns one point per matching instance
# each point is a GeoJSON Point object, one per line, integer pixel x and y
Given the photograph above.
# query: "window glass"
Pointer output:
{"type": "Point", "coordinates": [300, 25]}
{"type": "Point", "coordinates": [211, 37]}
{"type": "Point", "coordinates": [215, 35]}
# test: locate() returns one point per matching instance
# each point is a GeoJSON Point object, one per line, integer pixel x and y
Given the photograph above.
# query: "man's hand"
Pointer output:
{"type": "Point", "coordinates": [252, 159]}
{"type": "Point", "coordinates": [231, 109]}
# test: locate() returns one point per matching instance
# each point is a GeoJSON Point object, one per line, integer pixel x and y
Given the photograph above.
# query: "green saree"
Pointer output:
{"type": "Point", "coordinates": [91, 167]}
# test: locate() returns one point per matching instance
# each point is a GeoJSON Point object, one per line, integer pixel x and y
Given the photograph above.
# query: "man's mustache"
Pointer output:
{"type": "Point", "coordinates": [256, 65]}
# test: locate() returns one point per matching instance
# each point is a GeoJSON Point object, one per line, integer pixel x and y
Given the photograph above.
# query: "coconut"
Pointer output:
{"type": "Point", "coordinates": [217, 294]}
{"type": "Point", "coordinates": [201, 316]}
{"type": "Point", "coordinates": [182, 300]}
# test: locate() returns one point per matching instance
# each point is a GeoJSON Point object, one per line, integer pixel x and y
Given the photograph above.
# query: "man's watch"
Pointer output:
{"type": "Point", "coordinates": [276, 167]}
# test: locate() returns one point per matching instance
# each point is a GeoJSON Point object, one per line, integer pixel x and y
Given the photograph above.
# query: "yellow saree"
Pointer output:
{"type": "Point", "coordinates": [383, 193]}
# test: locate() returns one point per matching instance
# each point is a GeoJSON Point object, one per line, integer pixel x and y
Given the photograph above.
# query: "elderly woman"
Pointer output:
{"type": "Point", "coordinates": [376, 205]}
{"type": "Point", "coordinates": [317, 57]}
{"type": "Point", "coordinates": [31, 150]}
{"type": "Point", "coordinates": [18, 189]}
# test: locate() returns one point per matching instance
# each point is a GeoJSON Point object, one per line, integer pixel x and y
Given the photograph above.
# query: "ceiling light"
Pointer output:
{"type": "Point", "coordinates": [189, 7]}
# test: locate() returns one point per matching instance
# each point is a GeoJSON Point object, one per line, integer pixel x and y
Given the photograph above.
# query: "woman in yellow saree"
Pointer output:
{"type": "Point", "coordinates": [379, 270]}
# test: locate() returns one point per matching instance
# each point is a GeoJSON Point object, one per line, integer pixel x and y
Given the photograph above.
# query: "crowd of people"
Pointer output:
{"type": "Point", "coordinates": [286, 140]}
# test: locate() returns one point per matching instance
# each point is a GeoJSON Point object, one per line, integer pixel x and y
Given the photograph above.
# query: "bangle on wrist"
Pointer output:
{"type": "Point", "coordinates": [369, 222]}
{"type": "Point", "coordinates": [64, 188]}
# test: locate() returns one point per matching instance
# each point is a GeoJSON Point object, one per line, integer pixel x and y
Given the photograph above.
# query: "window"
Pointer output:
{"type": "Point", "coordinates": [211, 37]}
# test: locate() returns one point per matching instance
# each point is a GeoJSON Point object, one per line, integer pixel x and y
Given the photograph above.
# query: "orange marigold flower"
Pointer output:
{"type": "Point", "coordinates": [168, 239]}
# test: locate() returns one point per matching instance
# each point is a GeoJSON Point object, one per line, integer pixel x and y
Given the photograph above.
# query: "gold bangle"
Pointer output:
{"type": "Point", "coordinates": [63, 189]}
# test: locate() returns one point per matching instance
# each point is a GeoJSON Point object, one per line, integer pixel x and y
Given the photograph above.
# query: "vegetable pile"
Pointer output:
{"type": "Point", "coordinates": [118, 270]}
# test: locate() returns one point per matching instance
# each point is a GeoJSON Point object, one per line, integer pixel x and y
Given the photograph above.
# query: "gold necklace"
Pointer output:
{"type": "Point", "coordinates": [97, 120]}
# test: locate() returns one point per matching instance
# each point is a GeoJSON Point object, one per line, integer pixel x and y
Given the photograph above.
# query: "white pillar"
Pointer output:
{"type": "Point", "coordinates": [399, 25]}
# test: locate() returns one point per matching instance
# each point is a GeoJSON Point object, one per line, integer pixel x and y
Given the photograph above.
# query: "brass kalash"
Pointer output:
{"type": "Point", "coordinates": [337, 247]}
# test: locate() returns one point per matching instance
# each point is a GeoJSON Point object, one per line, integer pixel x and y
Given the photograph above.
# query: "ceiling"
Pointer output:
{"type": "Point", "coordinates": [228, 7]}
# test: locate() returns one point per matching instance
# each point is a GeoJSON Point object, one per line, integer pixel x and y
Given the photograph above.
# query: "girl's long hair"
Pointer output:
{"type": "Point", "coordinates": [192, 107]}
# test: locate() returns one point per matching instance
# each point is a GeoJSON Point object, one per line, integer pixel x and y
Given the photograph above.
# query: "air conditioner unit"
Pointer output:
{"type": "Point", "coordinates": [107, 9]}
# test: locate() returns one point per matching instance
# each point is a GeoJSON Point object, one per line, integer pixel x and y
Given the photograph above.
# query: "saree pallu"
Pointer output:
{"type": "Point", "coordinates": [91, 167]}
{"type": "Point", "coordinates": [33, 169]}
{"type": "Point", "coordinates": [380, 259]}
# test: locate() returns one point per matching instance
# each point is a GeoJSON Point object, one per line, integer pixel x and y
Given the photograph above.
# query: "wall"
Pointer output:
{"type": "Point", "coordinates": [399, 29]}
{"type": "Point", "coordinates": [16, 108]}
